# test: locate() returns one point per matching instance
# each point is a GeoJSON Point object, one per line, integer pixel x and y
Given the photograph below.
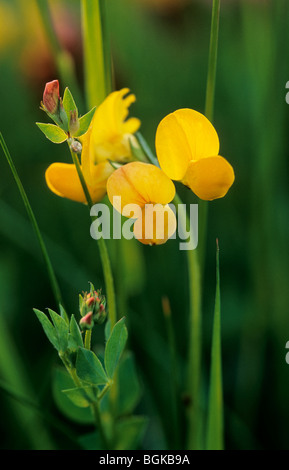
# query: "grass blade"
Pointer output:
{"type": "Point", "coordinates": [215, 439]}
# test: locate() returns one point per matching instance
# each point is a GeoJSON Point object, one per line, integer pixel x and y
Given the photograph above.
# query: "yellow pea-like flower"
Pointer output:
{"type": "Point", "coordinates": [147, 188]}
{"type": "Point", "coordinates": [63, 180]}
{"type": "Point", "coordinates": [187, 147]}
{"type": "Point", "coordinates": [107, 139]}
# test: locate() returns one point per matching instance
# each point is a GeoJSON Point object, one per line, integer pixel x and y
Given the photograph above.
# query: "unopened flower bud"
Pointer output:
{"type": "Point", "coordinates": [100, 315]}
{"type": "Point", "coordinates": [92, 304]}
{"type": "Point", "coordinates": [51, 97]}
{"type": "Point", "coordinates": [86, 322]}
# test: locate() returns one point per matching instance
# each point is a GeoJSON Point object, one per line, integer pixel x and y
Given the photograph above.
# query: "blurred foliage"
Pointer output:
{"type": "Point", "coordinates": [162, 56]}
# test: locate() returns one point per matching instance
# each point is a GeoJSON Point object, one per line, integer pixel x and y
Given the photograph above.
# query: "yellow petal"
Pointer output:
{"type": "Point", "coordinates": [139, 183]}
{"type": "Point", "coordinates": [156, 224]}
{"type": "Point", "coordinates": [210, 178]}
{"type": "Point", "coordinates": [181, 137]}
{"type": "Point", "coordinates": [62, 179]}
{"type": "Point", "coordinates": [110, 124]}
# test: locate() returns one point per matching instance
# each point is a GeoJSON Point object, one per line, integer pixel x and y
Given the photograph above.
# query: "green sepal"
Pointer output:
{"type": "Point", "coordinates": [84, 123]}
{"type": "Point", "coordinates": [115, 346]}
{"type": "Point", "coordinates": [53, 132]}
{"type": "Point", "coordinates": [137, 152]}
{"type": "Point", "coordinates": [81, 396]}
{"type": "Point", "coordinates": [48, 328]}
{"type": "Point", "coordinates": [146, 149]}
{"type": "Point", "coordinates": [69, 103]}
{"type": "Point", "coordinates": [89, 368]}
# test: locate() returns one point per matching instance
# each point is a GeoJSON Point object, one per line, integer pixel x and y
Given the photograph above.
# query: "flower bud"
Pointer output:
{"type": "Point", "coordinates": [92, 307]}
{"type": "Point", "coordinates": [86, 322]}
{"type": "Point", "coordinates": [51, 97]}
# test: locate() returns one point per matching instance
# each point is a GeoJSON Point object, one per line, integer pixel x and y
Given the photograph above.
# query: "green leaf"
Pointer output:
{"type": "Point", "coordinates": [130, 432]}
{"type": "Point", "coordinates": [115, 346]}
{"type": "Point", "coordinates": [215, 438]}
{"type": "Point", "coordinates": [81, 396]}
{"type": "Point", "coordinates": [84, 123]}
{"type": "Point", "coordinates": [61, 380]}
{"type": "Point", "coordinates": [53, 133]}
{"type": "Point", "coordinates": [75, 337]}
{"type": "Point", "coordinates": [89, 368]}
{"type": "Point", "coordinates": [63, 314]}
{"type": "Point", "coordinates": [61, 328]}
{"type": "Point", "coordinates": [69, 103]}
{"type": "Point", "coordinates": [48, 328]}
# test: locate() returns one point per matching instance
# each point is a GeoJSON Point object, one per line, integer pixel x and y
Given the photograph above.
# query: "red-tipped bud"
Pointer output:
{"type": "Point", "coordinates": [90, 301]}
{"type": "Point", "coordinates": [51, 97]}
{"type": "Point", "coordinates": [86, 322]}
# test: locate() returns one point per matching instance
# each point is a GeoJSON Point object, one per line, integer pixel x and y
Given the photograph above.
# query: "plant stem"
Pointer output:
{"type": "Point", "coordinates": [196, 261]}
{"type": "Point", "coordinates": [194, 360]}
{"type": "Point", "coordinates": [212, 66]}
{"type": "Point", "coordinates": [51, 274]}
{"type": "Point", "coordinates": [106, 265]}
{"type": "Point", "coordinates": [99, 424]}
{"type": "Point", "coordinates": [94, 406]}
{"type": "Point", "coordinates": [96, 52]}
{"type": "Point", "coordinates": [209, 113]}
{"type": "Point", "coordinates": [87, 340]}
{"type": "Point", "coordinates": [174, 368]}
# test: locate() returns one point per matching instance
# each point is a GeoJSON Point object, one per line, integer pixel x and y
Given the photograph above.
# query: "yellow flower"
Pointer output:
{"type": "Point", "coordinates": [150, 191]}
{"type": "Point", "coordinates": [106, 139]}
{"type": "Point", "coordinates": [187, 147]}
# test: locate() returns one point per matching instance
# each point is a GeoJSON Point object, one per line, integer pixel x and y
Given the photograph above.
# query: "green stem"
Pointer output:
{"type": "Point", "coordinates": [196, 262]}
{"type": "Point", "coordinates": [106, 265]}
{"type": "Point", "coordinates": [194, 360]}
{"type": "Point", "coordinates": [209, 113]}
{"type": "Point", "coordinates": [174, 368]}
{"type": "Point", "coordinates": [99, 424]}
{"type": "Point", "coordinates": [51, 274]}
{"type": "Point", "coordinates": [96, 52]}
{"type": "Point", "coordinates": [212, 66]}
{"type": "Point", "coordinates": [94, 406]}
{"type": "Point", "coordinates": [87, 340]}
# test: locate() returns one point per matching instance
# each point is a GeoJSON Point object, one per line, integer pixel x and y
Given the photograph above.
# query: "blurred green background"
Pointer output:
{"type": "Point", "coordinates": [160, 51]}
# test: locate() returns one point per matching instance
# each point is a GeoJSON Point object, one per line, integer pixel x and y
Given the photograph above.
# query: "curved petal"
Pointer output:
{"type": "Point", "coordinates": [110, 122]}
{"type": "Point", "coordinates": [62, 179]}
{"type": "Point", "coordinates": [210, 178]}
{"type": "Point", "coordinates": [139, 183]}
{"type": "Point", "coordinates": [181, 137]}
{"type": "Point", "coordinates": [156, 225]}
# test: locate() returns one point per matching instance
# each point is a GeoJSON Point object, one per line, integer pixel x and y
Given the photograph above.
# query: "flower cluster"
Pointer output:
{"type": "Point", "coordinates": [92, 308]}
{"type": "Point", "coordinates": [187, 149]}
